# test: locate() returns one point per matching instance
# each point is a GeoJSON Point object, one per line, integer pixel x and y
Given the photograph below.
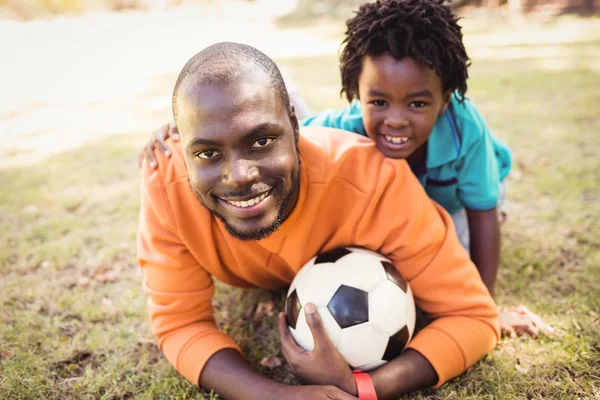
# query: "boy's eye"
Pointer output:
{"type": "Point", "coordinates": [207, 154]}
{"type": "Point", "coordinates": [379, 103]}
{"type": "Point", "coordinates": [262, 142]}
{"type": "Point", "coordinates": [417, 104]}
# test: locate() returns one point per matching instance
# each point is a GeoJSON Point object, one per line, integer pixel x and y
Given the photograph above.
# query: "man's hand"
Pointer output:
{"type": "Point", "coordinates": [520, 320]}
{"type": "Point", "coordinates": [324, 365]}
{"type": "Point", "coordinates": [157, 141]}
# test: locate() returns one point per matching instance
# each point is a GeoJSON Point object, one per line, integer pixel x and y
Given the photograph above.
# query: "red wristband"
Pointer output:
{"type": "Point", "coordinates": [364, 386]}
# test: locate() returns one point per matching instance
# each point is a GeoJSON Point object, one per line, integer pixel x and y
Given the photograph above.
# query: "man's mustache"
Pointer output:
{"type": "Point", "coordinates": [254, 190]}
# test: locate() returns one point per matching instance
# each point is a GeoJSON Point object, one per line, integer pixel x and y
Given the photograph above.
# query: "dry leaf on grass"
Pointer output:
{"type": "Point", "coordinates": [106, 277]}
{"type": "Point", "coordinates": [271, 362]}
{"type": "Point", "coordinates": [263, 309]}
{"type": "Point", "coordinates": [83, 282]}
{"type": "Point", "coordinates": [521, 369]}
{"type": "Point", "coordinates": [149, 342]}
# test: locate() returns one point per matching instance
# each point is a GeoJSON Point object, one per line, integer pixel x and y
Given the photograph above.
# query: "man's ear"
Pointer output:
{"type": "Point", "coordinates": [294, 122]}
{"type": "Point", "coordinates": [446, 101]}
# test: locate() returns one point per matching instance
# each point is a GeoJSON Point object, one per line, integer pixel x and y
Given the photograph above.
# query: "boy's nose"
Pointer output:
{"type": "Point", "coordinates": [396, 121]}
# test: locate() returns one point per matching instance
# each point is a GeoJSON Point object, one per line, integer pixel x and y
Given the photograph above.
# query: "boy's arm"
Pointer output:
{"type": "Point", "coordinates": [484, 232]}
{"type": "Point", "coordinates": [478, 191]}
{"type": "Point", "coordinates": [401, 222]}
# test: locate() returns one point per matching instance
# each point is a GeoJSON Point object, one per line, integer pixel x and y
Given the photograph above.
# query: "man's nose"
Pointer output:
{"type": "Point", "coordinates": [241, 173]}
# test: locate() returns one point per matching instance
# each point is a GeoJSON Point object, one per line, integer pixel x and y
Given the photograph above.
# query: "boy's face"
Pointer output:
{"type": "Point", "coordinates": [400, 101]}
{"type": "Point", "coordinates": [240, 149]}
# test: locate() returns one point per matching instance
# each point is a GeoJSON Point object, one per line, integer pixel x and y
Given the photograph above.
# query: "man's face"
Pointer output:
{"type": "Point", "coordinates": [401, 102]}
{"type": "Point", "coordinates": [240, 147]}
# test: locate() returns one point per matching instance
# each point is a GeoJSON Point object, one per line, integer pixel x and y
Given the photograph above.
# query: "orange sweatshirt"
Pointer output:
{"type": "Point", "coordinates": [349, 195]}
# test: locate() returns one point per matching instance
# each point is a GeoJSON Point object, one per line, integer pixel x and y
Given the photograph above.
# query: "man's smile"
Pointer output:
{"type": "Point", "coordinates": [248, 206]}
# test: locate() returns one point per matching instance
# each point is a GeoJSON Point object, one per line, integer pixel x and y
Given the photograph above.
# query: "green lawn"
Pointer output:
{"type": "Point", "coordinates": [73, 322]}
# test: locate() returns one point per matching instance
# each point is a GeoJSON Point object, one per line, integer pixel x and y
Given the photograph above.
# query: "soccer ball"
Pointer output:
{"type": "Point", "coordinates": [366, 306]}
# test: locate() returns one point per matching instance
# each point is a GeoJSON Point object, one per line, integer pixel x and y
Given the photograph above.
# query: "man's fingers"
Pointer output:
{"type": "Point", "coordinates": [288, 344]}
{"type": "Point", "coordinates": [315, 323]}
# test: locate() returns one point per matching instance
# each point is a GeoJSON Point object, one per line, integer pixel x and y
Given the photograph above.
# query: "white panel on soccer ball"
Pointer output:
{"type": "Point", "coordinates": [362, 250]}
{"type": "Point", "coordinates": [411, 312]}
{"type": "Point", "coordinates": [362, 344]}
{"type": "Point", "coordinates": [300, 275]}
{"type": "Point", "coordinates": [360, 271]}
{"type": "Point", "coordinates": [388, 307]}
{"type": "Point", "coordinates": [318, 285]}
{"type": "Point", "coordinates": [330, 324]}
{"type": "Point", "coordinates": [302, 333]}
{"type": "Point", "coordinates": [372, 366]}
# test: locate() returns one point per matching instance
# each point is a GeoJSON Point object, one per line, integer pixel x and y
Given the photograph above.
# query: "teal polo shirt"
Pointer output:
{"type": "Point", "coordinates": [464, 163]}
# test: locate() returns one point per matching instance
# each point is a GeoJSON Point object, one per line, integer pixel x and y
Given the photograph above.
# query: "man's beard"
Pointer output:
{"type": "Point", "coordinates": [265, 232]}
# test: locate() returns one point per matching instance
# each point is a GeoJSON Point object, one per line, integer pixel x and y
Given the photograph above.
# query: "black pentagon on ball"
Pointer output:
{"type": "Point", "coordinates": [332, 256]}
{"type": "Point", "coordinates": [292, 309]}
{"type": "Point", "coordinates": [349, 306]}
{"type": "Point", "coordinates": [394, 275]}
{"type": "Point", "coordinates": [396, 343]}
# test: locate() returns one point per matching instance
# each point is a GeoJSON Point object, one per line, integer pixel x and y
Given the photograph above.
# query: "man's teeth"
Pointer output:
{"type": "Point", "coordinates": [396, 139]}
{"type": "Point", "coordinates": [248, 203]}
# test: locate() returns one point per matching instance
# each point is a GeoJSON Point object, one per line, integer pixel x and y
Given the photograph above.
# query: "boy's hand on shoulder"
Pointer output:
{"type": "Point", "coordinates": [519, 320]}
{"type": "Point", "coordinates": [157, 142]}
{"type": "Point", "coordinates": [324, 365]}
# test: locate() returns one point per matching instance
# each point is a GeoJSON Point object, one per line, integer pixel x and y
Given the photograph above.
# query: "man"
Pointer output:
{"type": "Point", "coordinates": [247, 199]}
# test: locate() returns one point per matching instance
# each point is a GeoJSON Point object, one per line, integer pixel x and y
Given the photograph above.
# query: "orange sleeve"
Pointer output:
{"type": "Point", "coordinates": [179, 289]}
{"type": "Point", "coordinates": [418, 235]}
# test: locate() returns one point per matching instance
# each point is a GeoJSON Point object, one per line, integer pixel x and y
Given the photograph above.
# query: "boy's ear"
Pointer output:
{"type": "Point", "coordinates": [294, 122]}
{"type": "Point", "coordinates": [446, 98]}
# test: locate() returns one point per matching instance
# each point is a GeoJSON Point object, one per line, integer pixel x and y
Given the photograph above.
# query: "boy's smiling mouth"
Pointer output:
{"type": "Point", "coordinates": [396, 139]}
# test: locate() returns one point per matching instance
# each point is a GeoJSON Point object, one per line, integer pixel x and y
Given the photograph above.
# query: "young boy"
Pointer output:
{"type": "Point", "coordinates": [404, 72]}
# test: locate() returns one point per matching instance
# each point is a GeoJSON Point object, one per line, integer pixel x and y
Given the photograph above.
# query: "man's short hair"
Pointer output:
{"type": "Point", "coordinates": [225, 61]}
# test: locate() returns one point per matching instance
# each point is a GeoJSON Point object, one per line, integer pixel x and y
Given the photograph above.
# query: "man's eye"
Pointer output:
{"type": "Point", "coordinates": [208, 154]}
{"type": "Point", "coordinates": [417, 104]}
{"type": "Point", "coordinates": [262, 142]}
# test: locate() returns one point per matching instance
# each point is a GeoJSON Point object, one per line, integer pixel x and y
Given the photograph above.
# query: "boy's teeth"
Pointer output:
{"type": "Point", "coordinates": [248, 203]}
{"type": "Point", "coordinates": [396, 139]}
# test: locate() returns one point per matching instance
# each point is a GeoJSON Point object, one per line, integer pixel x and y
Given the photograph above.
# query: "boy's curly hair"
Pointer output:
{"type": "Point", "coordinates": [426, 30]}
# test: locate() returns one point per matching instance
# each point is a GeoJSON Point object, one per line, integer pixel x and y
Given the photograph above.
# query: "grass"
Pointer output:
{"type": "Point", "coordinates": [73, 322]}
